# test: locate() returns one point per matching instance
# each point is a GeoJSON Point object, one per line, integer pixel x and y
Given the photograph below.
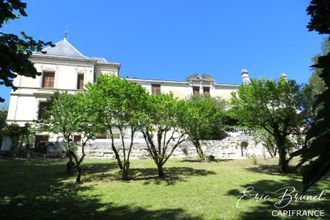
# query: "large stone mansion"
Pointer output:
{"type": "Point", "coordinates": [64, 68]}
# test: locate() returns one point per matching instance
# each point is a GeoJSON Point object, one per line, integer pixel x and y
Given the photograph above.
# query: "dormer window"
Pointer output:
{"type": "Point", "coordinates": [48, 79]}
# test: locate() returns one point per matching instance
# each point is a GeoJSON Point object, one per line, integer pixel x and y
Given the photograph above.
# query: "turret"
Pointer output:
{"type": "Point", "coordinates": [245, 77]}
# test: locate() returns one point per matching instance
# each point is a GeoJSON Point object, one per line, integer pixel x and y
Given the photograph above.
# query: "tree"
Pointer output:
{"type": "Point", "coordinates": [273, 106]}
{"type": "Point", "coordinates": [315, 85]}
{"type": "Point", "coordinates": [201, 118]}
{"type": "Point", "coordinates": [320, 16]}
{"type": "Point", "coordinates": [72, 115]}
{"type": "Point", "coordinates": [120, 106]}
{"type": "Point", "coordinates": [318, 152]}
{"type": "Point", "coordinates": [3, 118]}
{"type": "Point", "coordinates": [61, 120]}
{"type": "Point", "coordinates": [267, 140]}
{"type": "Point", "coordinates": [162, 120]}
{"type": "Point", "coordinates": [14, 50]}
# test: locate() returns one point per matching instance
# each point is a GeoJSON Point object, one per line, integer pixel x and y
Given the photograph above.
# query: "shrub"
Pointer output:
{"type": "Point", "coordinates": [20, 152]}
{"type": "Point", "coordinates": [210, 158]}
{"type": "Point", "coordinates": [253, 159]}
{"type": "Point", "coordinates": [42, 148]}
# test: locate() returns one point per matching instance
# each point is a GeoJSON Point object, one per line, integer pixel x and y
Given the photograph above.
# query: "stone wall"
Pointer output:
{"type": "Point", "coordinates": [236, 146]}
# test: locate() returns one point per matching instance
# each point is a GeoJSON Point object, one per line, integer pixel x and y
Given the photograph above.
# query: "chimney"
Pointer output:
{"type": "Point", "coordinates": [245, 77]}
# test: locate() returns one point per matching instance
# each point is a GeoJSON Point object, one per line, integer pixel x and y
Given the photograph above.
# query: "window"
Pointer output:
{"type": "Point", "coordinates": [116, 136]}
{"type": "Point", "coordinates": [44, 107]}
{"type": "Point", "coordinates": [206, 90]}
{"type": "Point", "coordinates": [101, 136]}
{"type": "Point", "coordinates": [195, 90]}
{"type": "Point", "coordinates": [40, 140]}
{"type": "Point", "coordinates": [77, 139]}
{"type": "Point", "coordinates": [80, 81]}
{"type": "Point", "coordinates": [48, 80]}
{"type": "Point", "coordinates": [155, 89]}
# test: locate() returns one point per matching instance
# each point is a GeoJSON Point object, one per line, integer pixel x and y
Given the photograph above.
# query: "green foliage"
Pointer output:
{"type": "Point", "coordinates": [120, 104]}
{"type": "Point", "coordinates": [20, 151]}
{"type": "Point", "coordinates": [64, 115]}
{"type": "Point", "coordinates": [162, 120]}
{"type": "Point", "coordinates": [201, 118]}
{"type": "Point", "coordinates": [265, 103]}
{"type": "Point", "coordinates": [162, 110]}
{"type": "Point", "coordinates": [42, 148]}
{"type": "Point", "coordinates": [320, 18]}
{"type": "Point", "coordinates": [318, 153]}
{"type": "Point", "coordinates": [315, 85]}
{"type": "Point", "coordinates": [273, 106]}
{"type": "Point", "coordinates": [253, 159]}
{"type": "Point", "coordinates": [268, 141]}
{"type": "Point", "coordinates": [14, 50]}
{"type": "Point", "coordinates": [3, 118]}
{"type": "Point", "coordinates": [72, 114]}
{"type": "Point", "coordinates": [20, 135]}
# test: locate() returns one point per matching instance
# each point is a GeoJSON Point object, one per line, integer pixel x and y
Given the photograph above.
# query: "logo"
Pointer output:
{"type": "Point", "coordinates": [282, 199]}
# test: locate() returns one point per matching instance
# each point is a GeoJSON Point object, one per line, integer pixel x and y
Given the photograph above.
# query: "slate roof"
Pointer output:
{"type": "Point", "coordinates": [200, 77]}
{"type": "Point", "coordinates": [64, 48]}
{"type": "Point", "coordinates": [100, 59]}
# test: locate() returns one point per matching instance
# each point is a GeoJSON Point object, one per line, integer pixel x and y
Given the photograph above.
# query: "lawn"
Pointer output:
{"type": "Point", "coordinates": [40, 189]}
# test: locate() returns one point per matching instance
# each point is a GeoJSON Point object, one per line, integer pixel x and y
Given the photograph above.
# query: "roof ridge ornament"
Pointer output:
{"type": "Point", "coordinates": [66, 35]}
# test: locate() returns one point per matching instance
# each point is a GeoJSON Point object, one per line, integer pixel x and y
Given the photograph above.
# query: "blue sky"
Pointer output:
{"type": "Point", "coordinates": [170, 39]}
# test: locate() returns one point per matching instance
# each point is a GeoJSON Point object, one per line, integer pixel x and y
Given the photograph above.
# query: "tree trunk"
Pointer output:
{"type": "Point", "coordinates": [78, 179]}
{"type": "Point", "coordinates": [199, 150]}
{"type": "Point", "coordinates": [70, 165]}
{"type": "Point", "coordinates": [77, 166]}
{"type": "Point", "coordinates": [283, 162]}
{"type": "Point", "coordinates": [124, 171]}
{"type": "Point", "coordinates": [160, 170]}
{"type": "Point", "coordinates": [270, 150]}
{"type": "Point", "coordinates": [124, 174]}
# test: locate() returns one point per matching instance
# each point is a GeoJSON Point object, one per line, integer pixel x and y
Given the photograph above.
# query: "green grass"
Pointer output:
{"type": "Point", "coordinates": [40, 189]}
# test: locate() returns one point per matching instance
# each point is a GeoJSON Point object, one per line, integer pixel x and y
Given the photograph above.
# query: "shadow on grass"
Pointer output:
{"type": "Point", "coordinates": [91, 168]}
{"type": "Point", "coordinates": [62, 201]}
{"type": "Point", "coordinates": [265, 168]}
{"type": "Point", "coordinates": [39, 191]}
{"type": "Point", "coordinates": [271, 169]}
{"type": "Point", "coordinates": [203, 161]}
{"type": "Point", "coordinates": [172, 174]}
{"type": "Point", "coordinates": [262, 209]}
{"type": "Point", "coordinates": [98, 171]}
